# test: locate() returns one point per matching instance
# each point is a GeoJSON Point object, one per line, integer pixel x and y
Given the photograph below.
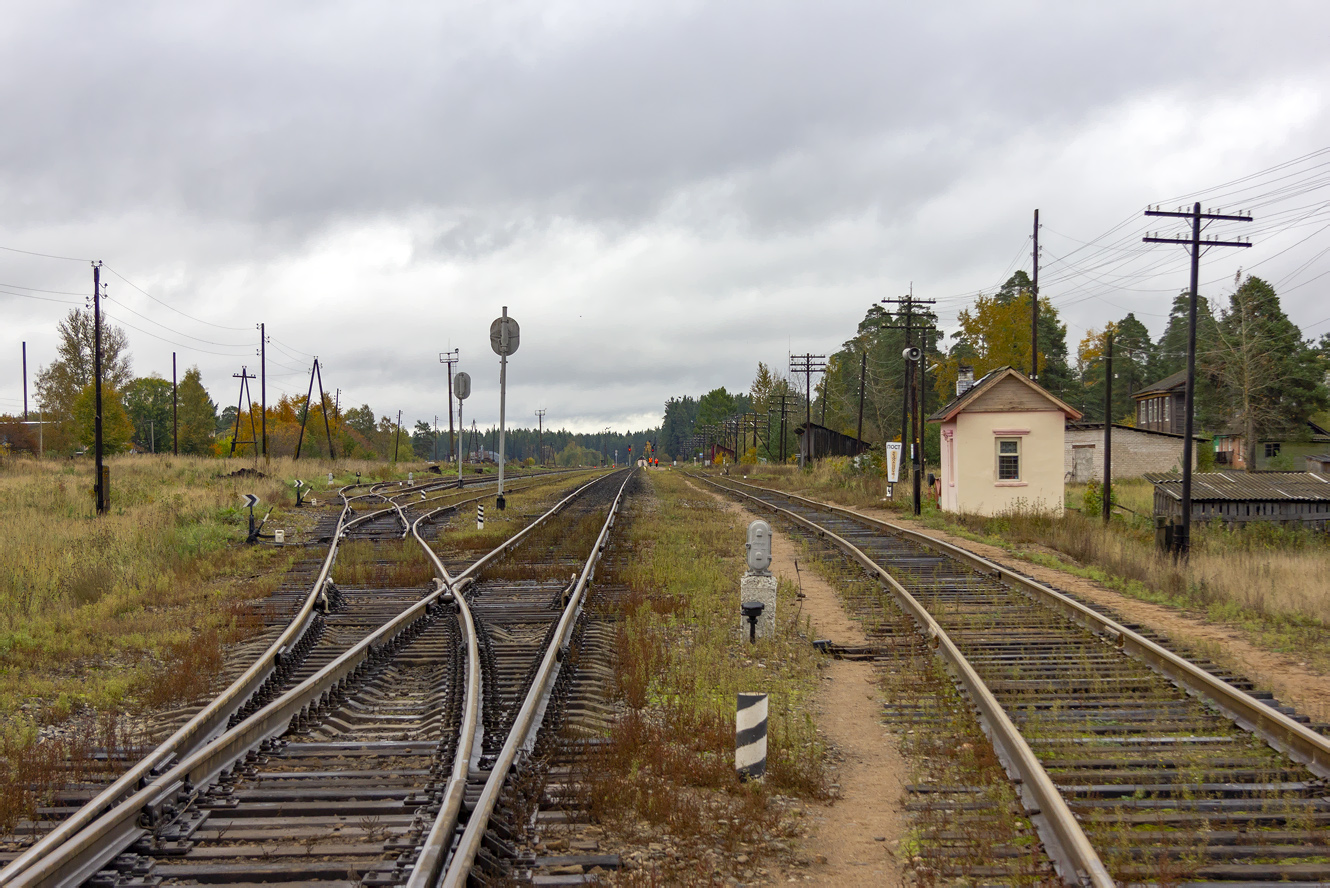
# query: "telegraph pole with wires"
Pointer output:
{"type": "Point", "coordinates": [99, 483]}
{"type": "Point", "coordinates": [244, 376]}
{"type": "Point", "coordinates": [1034, 304]}
{"type": "Point", "coordinates": [1194, 243]}
{"type": "Point", "coordinates": [913, 413]}
{"type": "Point", "coordinates": [808, 365]}
{"type": "Point", "coordinates": [175, 411]}
{"type": "Point", "coordinates": [263, 385]}
{"type": "Point", "coordinates": [450, 358]}
{"type": "Point", "coordinates": [540, 436]}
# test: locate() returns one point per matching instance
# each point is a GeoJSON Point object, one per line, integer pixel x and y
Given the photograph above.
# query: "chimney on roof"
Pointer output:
{"type": "Point", "coordinates": [964, 379]}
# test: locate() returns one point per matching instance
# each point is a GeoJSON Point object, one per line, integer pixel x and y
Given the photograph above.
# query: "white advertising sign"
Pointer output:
{"type": "Point", "coordinates": [893, 461]}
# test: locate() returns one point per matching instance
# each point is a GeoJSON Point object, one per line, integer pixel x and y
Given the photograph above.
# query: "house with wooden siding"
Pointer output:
{"type": "Point", "coordinates": [1002, 446]}
{"type": "Point", "coordinates": [1160, 407]}
{"type": "Point", "coordinates": [1282, 453]}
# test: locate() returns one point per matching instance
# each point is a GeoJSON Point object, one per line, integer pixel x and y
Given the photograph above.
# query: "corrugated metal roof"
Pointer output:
{"type": "Point", "coordinates": [1240, 486]}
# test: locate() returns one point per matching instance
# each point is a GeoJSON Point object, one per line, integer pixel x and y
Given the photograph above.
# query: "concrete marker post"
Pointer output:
{"type": "Point", "coordinates": [750, 736]}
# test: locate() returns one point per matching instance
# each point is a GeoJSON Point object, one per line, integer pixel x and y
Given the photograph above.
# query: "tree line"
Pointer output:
{"type": "Point", "coordinates": [1257, 375]}
{"type": "Point", "coordinates": [137, 415]}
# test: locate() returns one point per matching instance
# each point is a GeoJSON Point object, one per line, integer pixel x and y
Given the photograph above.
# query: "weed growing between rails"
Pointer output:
{"type": "Point", "coordinates": [1274, 583]}
{"type": "Point", "coordinates": [835, 478]}
{"type": "Point", "coordinates": [381, 563]}
{"type": "Point", "coordinates": [967, 823]}
{"type": "Point", "coordinates": [665, 772]}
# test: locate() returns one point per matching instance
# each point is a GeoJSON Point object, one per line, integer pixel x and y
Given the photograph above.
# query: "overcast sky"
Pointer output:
{"type": "Point", "coordinates": [662, 194]}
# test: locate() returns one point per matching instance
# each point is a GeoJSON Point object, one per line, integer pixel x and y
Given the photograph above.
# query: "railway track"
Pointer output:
{"type": "Point", "coordinates": [351, 753]}
{"type": "Point", "coordinates": [1135, 765]}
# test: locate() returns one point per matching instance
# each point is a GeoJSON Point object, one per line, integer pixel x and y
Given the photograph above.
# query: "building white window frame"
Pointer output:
{"type": "Point", "coordinates": [1014, 453]}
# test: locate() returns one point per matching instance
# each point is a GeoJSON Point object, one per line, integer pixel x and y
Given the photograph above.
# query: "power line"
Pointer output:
{"type": "Point", "coordinates": [172, 307]}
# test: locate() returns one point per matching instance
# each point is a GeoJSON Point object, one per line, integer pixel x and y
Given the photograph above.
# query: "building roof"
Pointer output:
{"type": "Point", "coordinates": [1167, 384]}
{"type": "Point", "coordinates": [1230, 486]}
{"type": "Point", "coordinates": [1318, 435]}
{"type": "Point", "coordinates": [986, 383]}
{"type": "Point", "coordinates": [1091, 426]}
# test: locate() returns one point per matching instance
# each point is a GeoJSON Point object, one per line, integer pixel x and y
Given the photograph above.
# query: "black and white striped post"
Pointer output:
{"type": "Point", "coordinates": [480, 517]}
{"type": "Point", "coordinates": [750, 736]}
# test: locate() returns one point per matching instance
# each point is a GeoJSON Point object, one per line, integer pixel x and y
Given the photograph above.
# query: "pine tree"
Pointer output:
{"type": "Point", "coordinates": [1273, 380]}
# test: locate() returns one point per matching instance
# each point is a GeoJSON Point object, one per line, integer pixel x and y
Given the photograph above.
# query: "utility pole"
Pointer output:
{"type": "Point", "coordinates": [244, 376]}
{"type": "Point", "coordinates": [1107, 491]}
{"type": "Point", "coordinates": [540, 438]}
{"type": "Point", "coordinates": [397, 441]}
{"type": "Point", "coordinates": [175, 411]}
{"type": "Point", "coordinates": [863, 370]}
{"type": "Point", "coordinates": [450, 358]}
{"type": "Point", "coordinates": [99, 485]}
{"type": "Point", "coordinates": [1034, 305]}
{"type": "Point", "coordinates": [263, 385]}
{"type": "Point", "coordinates": [914, 380]}
{"type": "Point", "coordinates": [904, 305]}
{"type": "Point", "coordinates": [808, 365]}
{"type": "Point", "coordinates": [1182, 542]}
{"type": "Point", "coordinates": [25, 382]}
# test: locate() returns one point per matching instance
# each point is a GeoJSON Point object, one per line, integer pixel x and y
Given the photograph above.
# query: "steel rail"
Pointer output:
{"type": "Point", "coordinates": [82, 854]}
{"type": "Point", "coordinates": [524, 725]}
{"type": "Point", "coordinates": [196, 732]}
{"type": "Point", "coordinates": [1296, 740]}
{"type": "Point", "coordinates": [1066, 843]}
{"type": "Point", "coordinates": [430, 860]}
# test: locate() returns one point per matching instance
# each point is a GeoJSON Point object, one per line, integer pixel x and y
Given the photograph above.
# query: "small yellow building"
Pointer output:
{"type": "Point", "coordinates": [1003, 439]}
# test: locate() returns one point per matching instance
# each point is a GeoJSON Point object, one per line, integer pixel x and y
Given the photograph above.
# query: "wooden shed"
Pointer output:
{"type": "Point", "coordinates": [826, 442]}
{"type": "Point", "coordinates": [1237, 498]}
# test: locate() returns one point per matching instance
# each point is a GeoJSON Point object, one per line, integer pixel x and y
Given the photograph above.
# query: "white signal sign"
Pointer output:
{"type": "Point", "coordinates": [893, 461]}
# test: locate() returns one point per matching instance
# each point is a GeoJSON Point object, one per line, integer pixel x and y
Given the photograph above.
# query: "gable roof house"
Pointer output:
{"type": "Point", "coordinates": [1160, 407]}
{"type": "Point", "coordinates": [1003, 444]}
{"type": "Point", "coordinates": [1285, 453]}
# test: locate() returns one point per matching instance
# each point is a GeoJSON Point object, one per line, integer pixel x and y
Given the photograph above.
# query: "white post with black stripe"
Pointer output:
{"type": "Point", "coordinates": [750, 736]}
{"type": "Point", "coordinates": [480, 517]}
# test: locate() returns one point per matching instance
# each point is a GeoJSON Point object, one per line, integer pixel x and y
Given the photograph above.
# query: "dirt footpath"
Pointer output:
{"type": "Point", "coordinates": [849, 838]}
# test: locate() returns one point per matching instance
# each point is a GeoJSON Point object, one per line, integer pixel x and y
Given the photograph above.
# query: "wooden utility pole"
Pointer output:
{"type": "Point", "coordinates": [1034, 305]}
{"type": "Point", "coordinates": [25, 382]}
{"type": "Point", "coordinates": [263, 386]}
{"type": "Point", "coordinates": [540, 438]}
{"type": "Point", "coordinates": [863, 370]}
{"type": "Point", "coordinates": [1182, 537]}
{"type": "Point", "coordinates": [1106, 506]}
{"type": "Point", "coordinates": [914, 377]}
{"type": "Point", "coordinates": [450, 358]}
{"type": "Point", "coordinates": [808, 365]}
{"type": "Point", "coordinates": [99, 485]}
{"type": "Point", "coordinates": [244, 376]}
{"type": "Point", "coordinates": [175, 411]}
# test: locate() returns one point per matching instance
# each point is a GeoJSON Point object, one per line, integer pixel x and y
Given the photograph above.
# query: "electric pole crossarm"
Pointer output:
{"type": "Point", "coordinates": [1187, 242]}
{"type": "Point", "coordinates": [1188, 214]}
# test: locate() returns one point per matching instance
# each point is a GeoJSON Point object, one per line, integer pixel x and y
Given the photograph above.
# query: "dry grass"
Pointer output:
{"type": "Point", "coordinates": [836, 476]}
{"type": "Point", "coordinates": [93, 609]}
{"type": "Point", "coordinates": [669, 761]}
{"type": "Point", "coordinates": [1273, 582]}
